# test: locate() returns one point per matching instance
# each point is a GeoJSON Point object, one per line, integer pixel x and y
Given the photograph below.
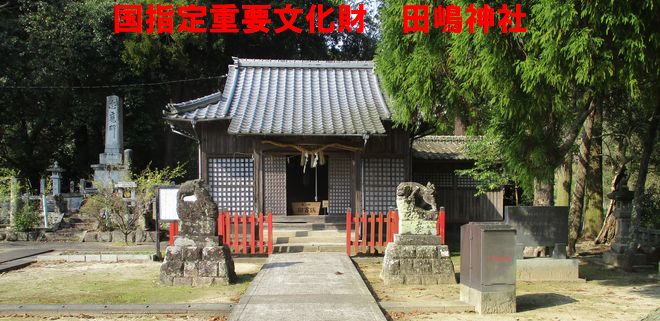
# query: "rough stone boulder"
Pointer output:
{"type": "Point", "coordinates": [197, 257]}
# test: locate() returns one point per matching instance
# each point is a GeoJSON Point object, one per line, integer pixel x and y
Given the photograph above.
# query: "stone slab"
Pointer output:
{"type": "Point", "coordinates": [217, 309]}
{"type": "Point", "coordinates": [548, 269]}
{"type": "Point", "coordinates": [436, 306]}
{"type": "Point", "coordinates": [93, 258]}
{"type": "Point", "coordinates": [309, 286]}
{"type": "Point", "coordinates": [109, 258]}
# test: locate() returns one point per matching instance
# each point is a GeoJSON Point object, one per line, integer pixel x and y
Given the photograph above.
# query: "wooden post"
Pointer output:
{"type": "Point", "coordinates": [270, 233]}
{"type": "Point", "coordinates": [348, 232]}
{"type": "Point", "coordinates": [245, 223]}
{"type": "Point", "coordinates": [372, 239]}
{"type": "Point", "coordinates": [236, 233]}
{"type": "Point", "coordinates": [380, 230]}
{"type": "Point", "coordinates": [442, 217]}
{"type": "Point", "coordinates": [261, 233]}
{"type": "Point", "coordinates": [252, 233]}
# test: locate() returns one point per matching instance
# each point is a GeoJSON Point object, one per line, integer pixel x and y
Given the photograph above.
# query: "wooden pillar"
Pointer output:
{"type": "Point", "coordinates": [357, 182]}
{"type": "Point", "coordinates": [258, 176]}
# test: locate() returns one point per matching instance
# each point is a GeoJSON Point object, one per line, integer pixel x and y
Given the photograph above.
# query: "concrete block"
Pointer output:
{"type": "Point", "coordinates": [109, 258]}
{"type": "Point", "coordinates": [91, 237]}
{"type": "Point", "coordinates": [75, 258]}
{"type": "Point", "coordinates": [133, 257]}
{"type": "Point", "coordinates": [93, 258]}
{"type": "Point", "coordinates": [547, 269]}
{"type": "Point", "coordinates": [51, 258]}
{"type": "Point", "coordinates": [502, 301]}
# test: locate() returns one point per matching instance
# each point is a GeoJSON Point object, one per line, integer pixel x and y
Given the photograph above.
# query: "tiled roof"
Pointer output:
{"type": "Point", "coordinates": [441, 147]}
{"type": "Point", "coordinates": [294, 97]}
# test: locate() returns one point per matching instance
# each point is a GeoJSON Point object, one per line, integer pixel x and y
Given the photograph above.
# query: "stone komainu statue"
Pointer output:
{"type": "Point", "coordinates": [416, 201]}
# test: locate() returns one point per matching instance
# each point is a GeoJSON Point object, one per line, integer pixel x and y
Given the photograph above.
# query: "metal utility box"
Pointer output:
{"type": "Point", "coordinates": [488, 267]}
{"type": "Point", "coordinates": [487, 255]}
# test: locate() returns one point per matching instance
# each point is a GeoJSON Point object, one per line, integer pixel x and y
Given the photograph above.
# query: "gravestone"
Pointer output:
{"type": "Point", "coordinates": [112, 167]}
{"type": "Point", "coordinates": [416, 256]}
{"type": "Point", "coordinates": [197, 257]}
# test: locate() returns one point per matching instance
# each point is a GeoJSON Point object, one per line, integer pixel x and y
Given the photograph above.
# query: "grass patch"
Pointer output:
{"type": "Point", "coordinates": [111, 283]}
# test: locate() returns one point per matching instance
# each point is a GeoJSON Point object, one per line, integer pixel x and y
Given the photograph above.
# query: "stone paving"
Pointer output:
{"type": "Point", "coordinates": [307, 286]}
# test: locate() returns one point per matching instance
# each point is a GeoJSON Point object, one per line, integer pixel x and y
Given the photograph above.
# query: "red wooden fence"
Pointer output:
{"type": "Point", "coordinates": [373, 228]}
{"type": "Point", "coordinates": [242, 233]}
{"type": "Point", "coordinates": [368, 233]}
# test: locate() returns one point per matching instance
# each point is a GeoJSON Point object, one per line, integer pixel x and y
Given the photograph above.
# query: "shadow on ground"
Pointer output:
{"type": "Point", "coordinates": [279, 265]}
{"type": "Point", "coordinates": [533, 301]}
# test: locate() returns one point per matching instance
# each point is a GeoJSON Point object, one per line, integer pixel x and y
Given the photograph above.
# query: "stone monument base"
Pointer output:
{"type": "Point", "coordinates": [417, 259]}
{"type": "Point", "coordinates": [500, 300]}
{"type": "Point", "coordinates": [548, 269]}
{"type": "Point", "coordinates": [620, 260]}
{"type": "Point", "coordinates": [197, 262]}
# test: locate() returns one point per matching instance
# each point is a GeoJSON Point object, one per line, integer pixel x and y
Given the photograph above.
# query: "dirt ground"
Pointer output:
{"type": "Point", "coordinates": [111, 283]}
{"type": "Point", "coordinates": [608, 294]}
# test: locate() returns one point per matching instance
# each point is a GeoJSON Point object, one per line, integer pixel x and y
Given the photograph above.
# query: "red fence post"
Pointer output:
{"type": "Point", "coordinates": [261, 233]}
{"type": "Point", "coordinates": [172, 232]}
{"type": "Point", "coordinates": [252, 233]}
{"type": "Point", "coordinates": [363, 221]}
{"type": "Point", "coordinates": [380, 231]}
{"type": "Point", "coordinates": [236, 232]}
{"type": "Point", "coordinates": [441, 225]}
{"type": "Point", "coordinates": [356, 244]}
{"type": "Point", "coordinates": [348, 232]}
{"type": "Point", "coordinates": [372, 239]}
{"type": "Point", "coordinates": [244, 222]}
{"type": "Point", "coordinates": [227, 223]}
{"type": "Point", "coordinates": [221, 228]}
{"type": "Point", "coordinates": [270, 233]}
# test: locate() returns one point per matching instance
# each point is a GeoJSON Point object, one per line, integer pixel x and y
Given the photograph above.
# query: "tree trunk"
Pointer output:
{"type": "Point", "coordinates": [543, 192]}
{"type": "Point", "coordinates": [607, 232]}
{"type": "Point", "coordinates": [564, 176]}
{"type": "Point", "coordinates": [647, 150]}
{"type": "Point", "coordinates": [577, 201]}
{"type": "Point", "coordinates": [593, 212]}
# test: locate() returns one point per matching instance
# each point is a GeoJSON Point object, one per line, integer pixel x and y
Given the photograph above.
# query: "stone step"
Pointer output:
{"type": "Point", "coordinates": [309, 226]}
{"type": "Point", "coordinates": [308, 240]}
{"type": "Point", "coordinates": [309, 219]}
{"type": "Point", "coordinates": [313, 233]}
{"type": "Point", "coordinates": [309, 247]}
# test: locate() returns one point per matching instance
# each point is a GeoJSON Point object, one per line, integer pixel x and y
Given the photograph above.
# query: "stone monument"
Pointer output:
{"type": "Point", "coordinates": [416, 256]}
{"type": "Point", "coordinates": [198, 257]}
{"type": "Point", "coordinates": [112, 167]}
{"type": "Point", "coordinates": [545, 226]}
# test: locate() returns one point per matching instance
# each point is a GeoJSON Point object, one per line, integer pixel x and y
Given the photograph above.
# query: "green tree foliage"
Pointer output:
{"type": "Point", "coordinates": [66, 43]}
{"type": "Point", "coordinates": [114, 212]}
{"type": "Point", "coordinates": [532, 90]}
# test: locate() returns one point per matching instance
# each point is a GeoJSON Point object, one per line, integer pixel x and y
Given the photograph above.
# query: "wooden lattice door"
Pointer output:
{"type": "Point", "coordinates": [275, 185]}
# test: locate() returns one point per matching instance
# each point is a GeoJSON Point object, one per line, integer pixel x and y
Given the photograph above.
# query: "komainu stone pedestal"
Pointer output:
{"type": "Point", "coordinates": [197, 257]}
{"type": "Point", "coordinates": [200, 263]}
{"type": "Point", "coordinates": [417, 259]}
